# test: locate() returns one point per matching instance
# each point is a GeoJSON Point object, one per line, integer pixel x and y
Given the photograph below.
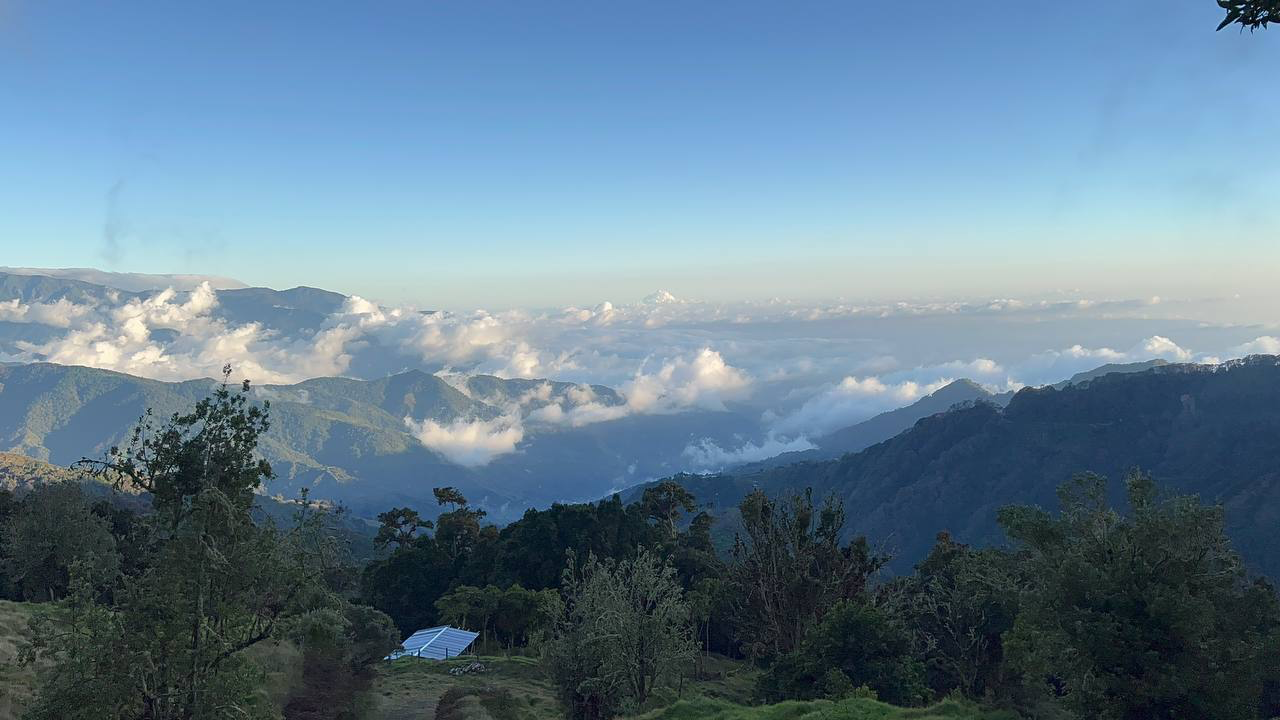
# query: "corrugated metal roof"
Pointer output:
{"type": "Point", "coordinates": [436, 643]}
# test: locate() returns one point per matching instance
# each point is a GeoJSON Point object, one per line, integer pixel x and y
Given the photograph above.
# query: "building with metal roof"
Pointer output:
{"type": "Point", "coordinates": [437, 643]}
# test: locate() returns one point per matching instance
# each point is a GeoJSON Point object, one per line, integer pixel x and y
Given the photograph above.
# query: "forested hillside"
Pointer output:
{"type": "Point", "coordinates": [1207, 430]}
{"type": "Point", "coordinates": [348, 440]}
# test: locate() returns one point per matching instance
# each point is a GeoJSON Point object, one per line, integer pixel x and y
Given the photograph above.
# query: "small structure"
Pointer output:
{"type": "Point", "coordinates": [437, 643]}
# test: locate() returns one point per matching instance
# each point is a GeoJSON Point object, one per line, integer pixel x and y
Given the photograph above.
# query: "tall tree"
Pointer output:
{"type": "Point", "coordinates": [957, 607]}
{"type": "Point", "coordinates": [212, 583]}
{"type": "Point", "coordinates": [664, 504]}
{"type": "Point", "coordinates": [791, 568]}
{"type": "Point", "coordinates": [399, 526]}
{"type": "Point", "coordinates": [53, 528]}
{"type": "Point", "coordinates": [1145, 615]}
{"type": "Point", "coordinates": [621, 626]}
{"type": "Point", "coordinates": [856, 644]}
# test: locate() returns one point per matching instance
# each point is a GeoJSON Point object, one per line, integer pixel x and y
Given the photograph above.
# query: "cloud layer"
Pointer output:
{"type": "Point", "coordinates": [803, 370]}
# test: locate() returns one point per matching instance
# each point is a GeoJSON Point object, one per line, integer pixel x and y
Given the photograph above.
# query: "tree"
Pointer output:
{"type": "Point", "coordinates": [957, 606]}
{"type": "Point", "coordinates": [457, 531]}
{"type": "Point", "coordinates": [8, 508]}
{"type": "Point", "coordinates": [520, 614]}
{"type": "Point", "coordinates": [1147, 615]}
{"type": "Point", "coordinates": [341, 646]}
{"type": "Point", "coordinates": [663, 504]}
{"type": "Point", "coordinates": [399, 526]}
{"type": "Point", "coordinates": [212, 584]}
{"type": "Point", "coordinates": [449, 496]}
{"type": "Point", "coordinates": [406, 584]}
{"type": "Point", "coordinates": [53, 528]}
{"type": "Point", "coordinates": [856, 644]}
{"type": "Point", "coordinates": [791, 568]}
{"type": "Point", "coordinates": [1252, 14]}
{"type": "Point", "coordinates": [619, 628]}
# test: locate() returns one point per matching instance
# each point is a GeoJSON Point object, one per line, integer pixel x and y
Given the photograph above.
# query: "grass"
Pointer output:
{"type": "Point", "coordinates": [510, 689]}
{"type": "Point", "coordinates": [16, 683]}
{"type": "Point", "coordinates": [851, 709]}
{"type": "Point", "coordinates": [281, 662]}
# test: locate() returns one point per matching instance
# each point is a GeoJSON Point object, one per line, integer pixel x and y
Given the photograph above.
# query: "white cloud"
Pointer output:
{"type": "Point", "coordinates": [470, 443]}
{"type": "Point", "coordinates": [196, 344]}
{"type": "Point", "coordinates": [851, 401]}
{"type": "Point", "coordinates": [1158, 346]}
{"type": "Point", "coordinates": [60, 313]}
{"type": "Point", "coordinates": [707, 455]}
{"type": "Point", "coordinates": [1261, 345]}
{"type": "Point", "coordinates": [705, 382]}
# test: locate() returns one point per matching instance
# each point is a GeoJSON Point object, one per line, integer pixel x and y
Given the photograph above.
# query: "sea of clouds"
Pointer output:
{"type": "Point", "coordinates": [800, 370]}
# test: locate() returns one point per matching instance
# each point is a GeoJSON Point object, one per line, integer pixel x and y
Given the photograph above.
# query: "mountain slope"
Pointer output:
{"type": "Point", "coordinates": [887, 424]}
{"type": "Point", "coordinates": [1209, 430]}
{"type": "Point", "coordinates": [348, 440]}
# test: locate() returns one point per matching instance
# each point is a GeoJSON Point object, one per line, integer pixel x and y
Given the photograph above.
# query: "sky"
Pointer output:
{"type": "Point", "coordinates": [515, 154]}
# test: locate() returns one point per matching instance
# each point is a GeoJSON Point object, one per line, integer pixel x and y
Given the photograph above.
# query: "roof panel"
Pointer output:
{"type": "Point", "coordinates": [436, 643]}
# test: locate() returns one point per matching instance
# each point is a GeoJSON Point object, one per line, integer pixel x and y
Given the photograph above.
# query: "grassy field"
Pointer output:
{"type": "Point", "coordinates": [852, 709]}
{"type": "Point", "coordinates": [15, 682]}
{"type": "Point", "coordinates": [510, 688]}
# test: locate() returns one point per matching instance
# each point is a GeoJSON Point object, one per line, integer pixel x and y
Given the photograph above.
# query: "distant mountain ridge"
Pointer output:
{"type": "Point", "coordinates": [1211, 430]}
{"type": "Point", "coordinates": [888, 424]}
{"type": "Point", "coordinates": [129, 282]}
{"type": "Point", "coordinates": [347, 439]}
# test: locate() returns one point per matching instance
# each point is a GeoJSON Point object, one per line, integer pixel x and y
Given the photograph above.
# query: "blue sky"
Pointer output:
{"type": "Point", "coordinates": [465, 154]}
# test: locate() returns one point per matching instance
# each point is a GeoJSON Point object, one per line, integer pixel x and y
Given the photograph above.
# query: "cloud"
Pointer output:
{"type": "Point", "coordinates": [851, 401]}
{"type": "Point", "coordinates": [705, 382]}
{"type": "Point", "coordinates": [470, 443]}
{"type": "Point", "coordinates": [173, 336]}
{"type": "Point", "coordinates": [702, 382]}
{"type": "Point", "coordinates": [59, 314]}
{"type": "Point", "coordinates": [1157, 346]}
{"type": "Point", "coordinates": [707, 455]}
{"type": "Point", "coordinates": [801, 369]}
{"type": "Point", "coordinates": [1261, 345]}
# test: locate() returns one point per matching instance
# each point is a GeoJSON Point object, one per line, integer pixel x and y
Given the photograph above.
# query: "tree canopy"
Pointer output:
{"type": "Point", "coordinates": [1252, 14]}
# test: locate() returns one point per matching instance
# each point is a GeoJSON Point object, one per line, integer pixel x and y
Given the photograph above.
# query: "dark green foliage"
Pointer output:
{"type": "Point", "coordinates": [399, 526]}
{"type": "Point", "coordinates": [1251, 14]}
{"type": "Point", "coordinates": [340, 652]}
{"type": "Point", "coordinates": [508, 615]}
{"type": "Point", "coordinates": [1147, 615]}
{"type": "Point", "coordinates": [207, 582]}
{"type": "Point", "coordinates": [957, 606]}
{"type": "Point", "coordinates": [8, 506]}
{"type": "Point", "coordinates": [856, 644]}
{"type": "Point", "coordinates": [529, 553]}
{"type": "Point", "coordinates": [665, 504]}
{"type": "Point", "coordinates": [790, 568]}
{"type": "Point", "coordinates": [619, 627]}
{"type": "Point", "coordinates": [50, 530]}
{"type": "Point", "coordinates": [1209, 431]}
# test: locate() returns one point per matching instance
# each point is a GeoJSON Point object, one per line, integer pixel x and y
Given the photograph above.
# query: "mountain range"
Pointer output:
{"type": "Point", "coordinates": [1207, 430]}
{"type": "Point", "coordinates": [888, 424]}
{"type": "Point", "coordinates": [348, 441]}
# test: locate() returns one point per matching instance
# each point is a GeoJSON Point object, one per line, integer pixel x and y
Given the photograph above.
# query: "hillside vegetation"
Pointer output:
{"type": "Point", "coordinates": [1209, 431]}
{"type": "Point", "coordinates": [347, 440]}
{"type": "Point", "coordinates": [17, 684]}
{"type": "Point", "coordinates": [188, 605]}
{"type": "Point", "coordinates": [850, 709]}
